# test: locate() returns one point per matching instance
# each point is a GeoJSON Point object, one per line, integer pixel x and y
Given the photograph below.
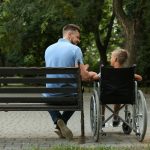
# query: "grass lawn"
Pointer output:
{"type": "Point", "coordinates": [63, 147]}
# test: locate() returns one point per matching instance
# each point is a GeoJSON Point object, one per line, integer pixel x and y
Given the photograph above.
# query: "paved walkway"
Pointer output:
{"type": "Point", "coordinates": [26, 130]}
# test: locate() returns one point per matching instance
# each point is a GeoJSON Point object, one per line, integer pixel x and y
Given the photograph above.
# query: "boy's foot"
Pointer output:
{"type": "Point", "coordinates": [116, 121]}
{"type": "Point", "coordinates": [66, 132]}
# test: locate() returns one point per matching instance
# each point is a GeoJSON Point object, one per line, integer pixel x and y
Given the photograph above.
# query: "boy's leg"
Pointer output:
{"type": "Point", "coordinates": [116, 120]}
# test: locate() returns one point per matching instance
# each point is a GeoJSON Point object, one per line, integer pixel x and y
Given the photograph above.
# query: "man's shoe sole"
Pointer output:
{"type": "Point", "coordinates": [58, 132]}
{"type": "Point", "coordinates": [66, 132]}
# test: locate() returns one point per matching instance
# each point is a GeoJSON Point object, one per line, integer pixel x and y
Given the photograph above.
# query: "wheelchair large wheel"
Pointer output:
{"type": "Point", "coordinates": [95, 115]}
{"type": "Point", "coordinates": [140, 120]}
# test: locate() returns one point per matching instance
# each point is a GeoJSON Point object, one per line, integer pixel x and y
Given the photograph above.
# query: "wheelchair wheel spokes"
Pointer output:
{"type": "Point", "coordinates": [95, 115]}
{"type": "Point", "coordinates": [141, 116]}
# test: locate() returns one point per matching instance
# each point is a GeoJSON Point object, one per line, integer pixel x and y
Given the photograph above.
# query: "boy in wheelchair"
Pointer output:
{"type": "Point", "coordinates": [118, 59]}
{"type": "Point", "coordinates": [118, 86]}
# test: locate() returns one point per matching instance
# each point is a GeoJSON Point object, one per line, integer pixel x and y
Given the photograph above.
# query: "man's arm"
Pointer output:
{"type": "Point", "coordinates": [87, 75]}
{"type": "Point", "coordinates": [84, 72]}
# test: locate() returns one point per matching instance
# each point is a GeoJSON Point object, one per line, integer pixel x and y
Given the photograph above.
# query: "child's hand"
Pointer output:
{"type": "Point", "coordinates": [138, 77]}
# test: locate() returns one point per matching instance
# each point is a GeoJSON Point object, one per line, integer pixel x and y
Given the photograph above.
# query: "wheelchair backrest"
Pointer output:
{"type": "Point", "coordinates": [117, 85]}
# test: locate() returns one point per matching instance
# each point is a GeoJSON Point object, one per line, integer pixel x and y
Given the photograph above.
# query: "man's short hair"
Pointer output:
{"type": "Point", "coordinates": [71, 27]}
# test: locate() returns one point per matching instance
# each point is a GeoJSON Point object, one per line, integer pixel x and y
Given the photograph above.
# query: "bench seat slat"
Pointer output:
{"type": "Point", "coordinates": [49, 100]}
{"type": "Point", "coordinates": [37, 80]}
{"type": "Point", "coordinates": [37, 107]}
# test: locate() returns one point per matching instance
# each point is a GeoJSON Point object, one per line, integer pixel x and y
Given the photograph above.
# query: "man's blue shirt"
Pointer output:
{"type": "Point", "coordinates": [62, 54]}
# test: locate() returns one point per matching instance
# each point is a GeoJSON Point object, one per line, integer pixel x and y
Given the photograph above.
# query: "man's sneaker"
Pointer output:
{"type": "Point", "coordinates": [66, 132]}
{"type": "Point", "coordinates": [116, 121]}
{"type": "Point", "coordinates": [58, 132]}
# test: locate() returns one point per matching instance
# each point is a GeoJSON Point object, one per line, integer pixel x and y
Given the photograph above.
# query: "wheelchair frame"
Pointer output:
{"type": "Point", "coordinates": [134, 120]}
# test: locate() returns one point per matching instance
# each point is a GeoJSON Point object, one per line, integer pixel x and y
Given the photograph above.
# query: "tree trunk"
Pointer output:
{"type": "Point", "coordinates": [130, 44]}
{"type": "Point", "coordinates": [102, 51]}
{"type": "Point", "coordinates": [131, 28]}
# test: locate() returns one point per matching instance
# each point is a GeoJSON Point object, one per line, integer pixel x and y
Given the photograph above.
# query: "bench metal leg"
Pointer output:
{"type": "Point", "coordinates": [82, 124]}
{"type": "Point", "coordinates": [82, 137]}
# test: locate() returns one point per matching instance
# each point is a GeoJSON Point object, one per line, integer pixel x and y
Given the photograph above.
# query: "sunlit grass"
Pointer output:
{"type": "Point", "coordinates": [70, 147]}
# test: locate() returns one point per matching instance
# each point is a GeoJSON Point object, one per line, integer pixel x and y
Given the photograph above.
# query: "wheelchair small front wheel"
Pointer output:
{"type": "Point", "coordinates": [126, 129]}
{"type": "Point", "coordinates": [95, 115]}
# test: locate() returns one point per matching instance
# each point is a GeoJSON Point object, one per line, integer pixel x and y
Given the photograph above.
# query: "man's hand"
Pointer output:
{"type": "Point", "coordinates": [88, 75]}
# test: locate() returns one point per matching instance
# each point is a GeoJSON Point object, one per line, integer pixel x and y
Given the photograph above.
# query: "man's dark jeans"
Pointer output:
{"type": "Point", "coordinates": [65, 116]}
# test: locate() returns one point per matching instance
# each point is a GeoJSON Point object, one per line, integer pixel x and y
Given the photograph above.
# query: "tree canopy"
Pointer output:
{"type": "Point", "coordinates": [27, 27]}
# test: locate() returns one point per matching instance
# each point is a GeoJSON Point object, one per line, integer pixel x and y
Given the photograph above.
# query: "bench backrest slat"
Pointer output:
{"type": "Point", "coordinates": [37, 80]}
{"type": "Point", "coordinates": [38, 90]}
{"type": "Point", "coordinates": [25, 81]}
{"type": "Point", "coordinates": [48, 100]}
{"type": "Point", "coordinates": [36, 71]}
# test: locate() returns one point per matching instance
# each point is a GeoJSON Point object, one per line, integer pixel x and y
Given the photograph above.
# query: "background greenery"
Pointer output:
{"type": "Point", "coordinates": [27, 27]}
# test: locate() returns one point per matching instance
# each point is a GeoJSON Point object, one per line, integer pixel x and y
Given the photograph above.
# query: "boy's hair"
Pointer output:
{"type": "Point", "coordinates": [71, 27]}
{"type": "Point", "coordinates": [121, 55]}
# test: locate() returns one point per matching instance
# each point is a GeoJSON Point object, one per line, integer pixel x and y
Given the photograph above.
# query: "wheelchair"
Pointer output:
{"type": "Point", "coordinates": [118, 86]}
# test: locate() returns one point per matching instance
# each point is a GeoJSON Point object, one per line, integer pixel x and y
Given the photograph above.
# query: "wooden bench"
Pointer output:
{"type": "Point", "coordinates": [24, 82]}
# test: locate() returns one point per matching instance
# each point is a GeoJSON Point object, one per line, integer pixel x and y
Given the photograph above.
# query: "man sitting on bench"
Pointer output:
{"type": "Point", "coordinates": [65, 53]}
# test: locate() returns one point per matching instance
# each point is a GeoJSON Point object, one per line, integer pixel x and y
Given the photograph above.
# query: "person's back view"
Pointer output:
{"type": "Point", "coordinates": [55, 53]}
{"type": "Point", "coordinates": [62, 54]}
{"type": "Point", "coordinates": [65, 53]}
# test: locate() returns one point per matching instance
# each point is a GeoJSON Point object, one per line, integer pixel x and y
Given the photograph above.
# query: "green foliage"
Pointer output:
{"type": "Point", "coordinates": [131, 7]}
{"type": "Point", "coordinates": [91, 55]}
{"type": "Point", "coordinates": [27, 27]}
{"type": "Point", "coordinates": [143, 60]}
{"type": "Point", "coordinates": [116, 39]}
{"type": "Point", "coordinates": [31, 25]}
{"type": "Point", "coordinates": [29, 60]}
{"type": "Point", "coordinates": [14, 58]}
{"type": "Point", "coordinates": [91, 14]}
{"type": "Point", "coordinates": [93, 147]}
